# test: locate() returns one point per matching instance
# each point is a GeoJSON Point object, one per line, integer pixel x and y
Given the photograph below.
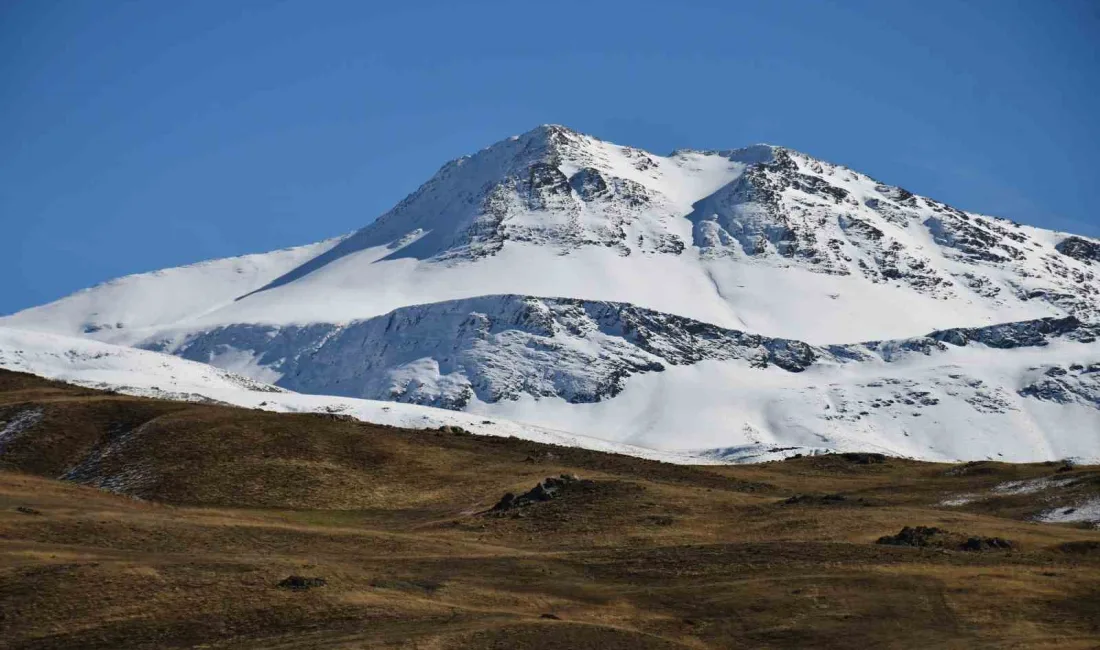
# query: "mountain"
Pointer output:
{"type": "Point", "coordinates": [731, 301]}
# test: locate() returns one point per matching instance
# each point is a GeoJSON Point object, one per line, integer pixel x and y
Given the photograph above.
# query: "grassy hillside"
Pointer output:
{"type": "Point", "coordinates": [176, 523]}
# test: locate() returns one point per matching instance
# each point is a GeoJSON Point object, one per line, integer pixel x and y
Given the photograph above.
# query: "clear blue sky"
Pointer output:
{"type": "Point", "coordinates": [138, 135]}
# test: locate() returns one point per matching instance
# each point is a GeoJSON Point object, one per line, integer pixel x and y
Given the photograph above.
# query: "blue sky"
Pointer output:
{"type": "Point", "coordinates": [140, 135]}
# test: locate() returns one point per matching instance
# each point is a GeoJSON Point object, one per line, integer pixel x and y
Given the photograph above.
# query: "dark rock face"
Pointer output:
{"type": "Point", "coordinates": [546, 186]}
{"type": "Point", "coordinates": [954, 230]}
{"type": "Point", "coordinates": [1087, 251]}
{"type": "Point", "coordinates": [589, 184]}
{"type": "Point", "coordinates": [1076, 384]}
{"type": "Point", "coordinates": [301, 583]}
{"type": "Point", "coordinates": [1018, 335]}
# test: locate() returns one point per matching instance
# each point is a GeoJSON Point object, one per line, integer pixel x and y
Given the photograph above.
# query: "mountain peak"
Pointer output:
{"type": "Point", "coordinates": [570, 200]}
{"type": "Point", "coordinates": [549, 131]}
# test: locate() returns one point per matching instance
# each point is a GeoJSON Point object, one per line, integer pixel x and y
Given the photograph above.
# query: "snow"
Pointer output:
{"type": "Point", "coordinates": [1031, 486]}
{"type": "Point", "coordinates": [1083, 511]}
{"type": "Point", "coordinates": [958, 501]}
{"type": "Point", "coordinates": [13, 428]}
{"type": "Point", "coordinates": [715, 404]}
{"type": "Point", "coordinates": [151, 374]}
{"type": "Point", "coordinates": [148, 300]}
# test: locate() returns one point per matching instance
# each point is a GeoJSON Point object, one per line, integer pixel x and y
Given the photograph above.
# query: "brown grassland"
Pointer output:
{"type": "Point", "coordinates": [177, 522]}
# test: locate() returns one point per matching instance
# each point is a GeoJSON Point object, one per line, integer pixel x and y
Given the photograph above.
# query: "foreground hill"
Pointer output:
{"type": "Point", "coordinates": [400, 538]}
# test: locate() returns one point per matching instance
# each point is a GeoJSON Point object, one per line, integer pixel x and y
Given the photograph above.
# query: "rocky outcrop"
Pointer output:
{"type": "Point", "coordinates": [507, 347]}
{"type": "Point", "coordinates": [929, 536]}
{"type": "Point", "coordinates": [1022, 334]}
{"type": "Point", "coordinates": [550, 488]}
{"type": "Point", "coordinates": [1077, 383]}
{"type": "Point", "coordinates": [492, 348]}
{"type": "Point", "coordinates": [1079, 248]}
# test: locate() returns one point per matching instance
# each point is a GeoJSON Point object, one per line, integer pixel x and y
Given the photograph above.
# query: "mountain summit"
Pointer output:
{"type": "Point", "coordinates": [720, 298]}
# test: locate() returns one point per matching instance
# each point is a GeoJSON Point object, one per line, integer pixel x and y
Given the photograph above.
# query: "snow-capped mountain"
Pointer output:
{"type": "Point", "coordinates": [704, 299]}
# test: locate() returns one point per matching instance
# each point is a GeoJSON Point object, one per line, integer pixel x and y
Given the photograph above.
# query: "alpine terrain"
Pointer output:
{"type": "Point", "coordinates": [726, 305]}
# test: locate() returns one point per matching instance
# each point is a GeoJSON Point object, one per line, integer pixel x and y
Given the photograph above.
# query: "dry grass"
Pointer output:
{"type": "Point", "coordinates": [230, 502]}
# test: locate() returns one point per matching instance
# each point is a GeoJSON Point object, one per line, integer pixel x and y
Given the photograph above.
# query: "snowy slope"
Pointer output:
{"type": "Point", "coordinates": [163, 297]}
{"type": "Point", "coordinates": [150, 374]}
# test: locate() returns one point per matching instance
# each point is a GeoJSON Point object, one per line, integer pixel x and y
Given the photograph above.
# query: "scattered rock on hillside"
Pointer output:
{"type": "Point", "coordinates": [548, 489]}
{"type": "Point", "coordinates": [973, 468]}
{"type": "Point", "coordinates": [822, 500]}
{"type": "Point", "coordinates": [337, 417]}
{"type": "Point", "coordinates": [28, 511]}
{"type": "Point", "coordinates": [1083, 547]}
{"type": "Point", "coordinates": [864, 458]}
{"type": "Point", "coordinates": [912, 536]}
{"type": "Point", "coordinates": [932, 537]}
{"type": "Point", "coordinates": [986, 543]}
{"type": "Point", "coordinates": [301, 583]}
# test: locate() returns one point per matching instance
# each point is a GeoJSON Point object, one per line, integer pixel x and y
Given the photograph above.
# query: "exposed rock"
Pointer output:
{"type": "Point", "coordinates": [816, 500]}
{"type": "Point", "coordinates": [986, 543]}
{"type": "Point", "coordinates": [301, 583]}
{"type": "Point", "coordinates": [1021, 334]}
{"type": "Point", "coordinates": [912, 536]}
{"type": "Point", "coordinates": [1082, 547]}
{"type": "Point", "coordinates": [546, 490]}
{"type": "Point", "coordinates": [453, 429]}
{"type": "Point", "coordinates": [338, 417]}
{"type": "Point", "coordinates": [1077, 384]}
{"type": "Point", "coordinates": [925, 536]}
{"type": "Point", "coordinates": [864, 458]}
{"type": "Point", "coordinates": [1086, 250]}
